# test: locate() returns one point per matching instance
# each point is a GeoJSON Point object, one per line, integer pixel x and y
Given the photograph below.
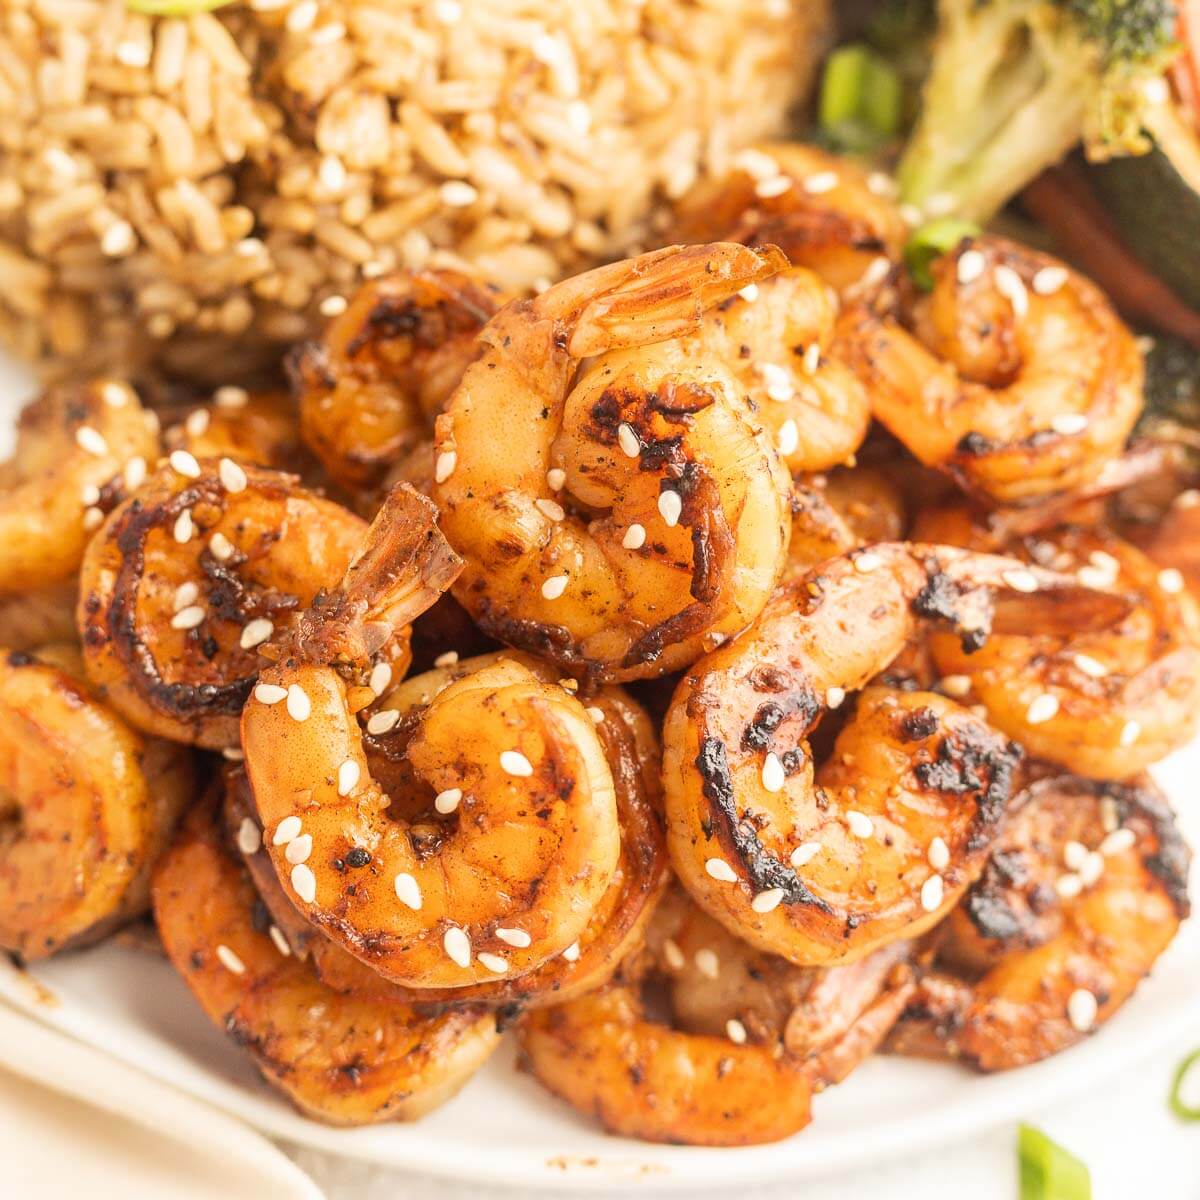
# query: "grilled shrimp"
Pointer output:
{"type": "Point", "coordinates": [1085, 888]}
{"type": "Point", "coordinates": [1017, 376]}
{"type": "Point", "coordinates": [344, 1059]}
{"type": "Point", "coordinates": [370, 388]}
{"type": "Point", "coordinates": [1105, 703]}
{"type": "Point", "coordinates": [88, 806]}
{"type": "Point", "coordinates": [824, 865]}
{"type": "Point", "coordinates": [821, 210]}
{"type": "Point", "coordinates": [513, 878]}
{"type": "Point", "coordinates": [32, 619]}
{"type": "Point", "coordinates": [614, 519]}
{"type": "Point", "coordinates": [185, 582]}
{"type": "Point", "coordinates": [76, 446]}
{"type": "Point", "coordinates": [248, 427]}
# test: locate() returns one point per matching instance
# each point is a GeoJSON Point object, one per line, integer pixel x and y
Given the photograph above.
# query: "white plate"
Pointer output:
{"type": "Point", "coordinates": [504, 1130]}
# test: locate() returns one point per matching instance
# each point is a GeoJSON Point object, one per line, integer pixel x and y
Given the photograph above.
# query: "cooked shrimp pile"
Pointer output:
{"type": "Point", "coordinates": [717, 668]}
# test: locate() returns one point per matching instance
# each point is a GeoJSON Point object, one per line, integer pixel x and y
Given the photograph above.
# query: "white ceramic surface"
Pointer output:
{"type": "Point", "coordinates": [504, 1130]}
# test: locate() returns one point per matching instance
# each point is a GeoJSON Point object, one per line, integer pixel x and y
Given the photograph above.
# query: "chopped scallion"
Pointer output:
{"type": "Point", "coordinates": [861, 100]}
{"type": "Point", "coordinates": [1048, 1172]}
{"type": "Point", "coordinates": [174, 8]}
{"type": "Point", "coordinates": [1179, 1105]}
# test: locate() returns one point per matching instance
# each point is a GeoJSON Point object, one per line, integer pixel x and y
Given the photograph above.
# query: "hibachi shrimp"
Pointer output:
{"type": "Point", "coordinates": [1017, 376]}
{"type": "Point", "coordinates": [78, 447]}
{"type": "Point", "coordinates": [344, 1059]}
{"type": "Point", "coordinates": [189, 578]}
{"type": "Point", "coordinates": [821, 210]}
{"type": "Point", "coordinates": [1105, 703]}
{"type": "Point", "coordinates": [614, 519]}
{"type": "Point", "coordinates": [88, 805]}
{"type": "Point", "coordinates": [1086, 887]}
{"type": "Point", "coordinates": [370, 388]}
{"type": "Point", "coordinates": [507, 884]}
{"type": "Point", "coordinates": [823, 865]}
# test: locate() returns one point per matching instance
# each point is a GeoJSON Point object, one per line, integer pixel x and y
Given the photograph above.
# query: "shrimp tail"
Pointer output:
{"type": "Point", "coordinates": [404, 566]}
{"type": "Point", "coordinates": [666, 293]}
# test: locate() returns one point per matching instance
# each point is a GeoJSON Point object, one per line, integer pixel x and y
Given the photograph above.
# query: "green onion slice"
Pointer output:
{"type": "Point", "coordinates": [861, 100]}
{"type": "Point", "coordinates": [174, 8]}
{"type": "Point", "coordinates": [1179, 1106]}
{"type": "Point", "coordinates": [1048, 1172]}
{"type": "Point", "coordinates": [930, 242]}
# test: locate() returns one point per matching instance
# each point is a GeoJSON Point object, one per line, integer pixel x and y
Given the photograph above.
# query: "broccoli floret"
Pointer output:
{"type": "Point", "coordinates": [1014, 84]}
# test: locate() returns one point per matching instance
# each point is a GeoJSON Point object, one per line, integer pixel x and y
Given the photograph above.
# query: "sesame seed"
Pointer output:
{"type": "Point", "coordinates": [1021, 580]}
{"type": "Point", "coordinates": [493, 962]}
{"type": "Point", "coordinates": [938, 854]}
{"type": "Point", "coordinates": [232, 477]}
{"type": "Point", "coordinates": [773, 776]}
{"type": "Point", "coordinates": [971, 265]}
{"type": "Point", "coordinates": [447, 659]}
{"type": "Point", "coordinates": [777, 381]}
{"type": "Point", "coordinates": [628, 440]}
{"type": "Point", "coordinates": [707, 963]}
{"type": "Point", "coordinates": [789, 437]}
{"type": "Point", "coordinates": [749, 293]}
{"type": "Point", "coordinates": [834, 697]}
{"type": "Point", "coordinates": [1082, 1010]}
{"type": "Point", "coordinates": [408, 891]}
{"type": "Point", "coordinates": [910, 214]}
{"type": "Point", "coordinates": [514, 937]}
{"type": "Point", "coordinates": [554, 587]}
{"type": "Point", "coordinates": [1092, 868]}
{"type": "Point", "coordinates": [597, 715]}
{"type": "Point", "coordinates": [249, 836]}
{"type": "Point", "coordinates": [347, 777]}
{"type": "Point", "coordinates": [233, 754]}
{"type": "Point", "coordinates": [115, 395]}
{"type": "Point", "coordinates": [188, 618]}
{"type": "Point", "coordinates": [550, 509]}
{"type": "Point", "coordinates": [304, 883]}
{"type": "Point", "coordinates": [184, 463]}
{"type": "Point", "coordinates": [1069, 424]}
{"type": "Point", "coordinates": [1187, 499]}
{"type": "Point", "coordinates": [220, 547]}
{"type": "Point", "coordinates": [805, 853]}
{"type": "Point", "coordinates": [1130, 732]}
{"type": "Point", "coordinates": [231, 397]}
{"type": "Point", "coordinates": [933, 892]}
{"type": "Point", "coordinates": [672, 955]}
{"type": "Point", "coordinates": [89, 495]}
{"type": "Point", "coordinates": [735, 1031]}
{"type": "Point", "coordinates": [286, 830]}
{"type": "Point", "coordinates": [457, 946]}
{"type": "Point", "coordinates": [820, 183]}
{"type": "Point", "coordinates": [571, 953]}
{"type": "Point", "coordinates": [670, 505]}
{"type": "Point", "coordinates": [135, 473]}
{"type": "Point", "coordinates": [448, 800]}
{"type": "Point", "coordinates": [866, 562]}
{"type": "Point", "coordinates": [1090, 666]}
{"type": "Point", "coordinates": [299, 706]}
{"type": "Point", "coordinates": [186, 593]}
{"type": "Point", "coordinates": [1074, 854]}
{"type": "Point", "coordinates": [269, 693]}
{"type": "Point", "coordinates": [93, 518]}
{"type": "Point", "coordinates": [281, 943]}
{"type": "Point", "coordinates": [91, 440]}
{"type": "Point", "coordinates": [299, 849]}
{"type": "Point", "coordinates": [383, 721]}
{"type": "Point", "coordinates": [956, 685]}
{"type": "Point", "coordinates": [556, 478]}
{"type": "Point", "coordinates": [859, 824]}
{"type": "Point", "coordinates": [1043, 708]}
{"type": "Point", "coordinates": [775, 186]}
{"type": "Point", "coordinates": [812, 358]}
{"type": "Point", "coordinates": [380, 677]}
{"type": "Point", "coordinates": [1171, 581]}
{"type": "Point", "coordinates": [1011, 286]}
{"type": "Point", "coordinates": [879, 183]}
{"type": "Point", "coordinates": [255, 632]}
{"type": "Point", "coordinates": [1049, 280]}
{"type": "Point", "coordinates": [756, 163]}
{"type": "Point", "coordinates": [767, 901]}
{"type": "Point", "coordinates": [1068, 886]}
{"type": "Point", "coordinates": [1095, 577]}
{"type": "Point", "coordinates": [877, 270]}
{"type": "Point", "coordinates": [184, 527]}
{"type": "Point", "coordinates": [443, 468]}
{"type": "Point", "coordinates": [1118, 842]}
{"type": "Point", "coordinates": [513, 762]}
{"type": "Point", "coordinates": [635, 537]}
{"type": "Point", "coordinates": [333, 306]}
{"type": "Point", "coordinates": [230, 961]}
{"type": "Point", "coordinates": [720, 870]}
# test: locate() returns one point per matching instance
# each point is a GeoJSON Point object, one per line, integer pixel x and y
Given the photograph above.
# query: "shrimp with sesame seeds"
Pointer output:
{"type": "Point", "coordinates": [248, 427]}
{"type": "Point", "coordinates": [1085, 888]}
{"type": "Point", "coordinates": [76, 446]}
{"type": "Point", "coordinates": [821, 210]}
{"type": "Point", "coordinates": [343, 1059]}
{"type": "Point", "coordinates": [616, 500]}
{"type": "Point", "coordinates": [824, 864]}
{"type": "Point", "coordinates": [188, 579]}
{"type": "Point", "coordinates": [88, 806]}
{"type": "Point", "coordinates": [1105, 703]}
{"type": "Point", "coordinates": [1015, 374]}
{"type": "Point", "coordinates": [530, 849]}
{"type": "Point", "coordinates": [371, 386]}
